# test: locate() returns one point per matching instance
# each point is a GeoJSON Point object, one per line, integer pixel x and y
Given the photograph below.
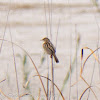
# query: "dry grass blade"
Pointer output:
{"type": "Point", "coordinates": [86, 90]}
{"type": "Point", "coordinates": [26, 95]}
{"type": "Point", "coordinates": [48, 87]}
{"type": "Point", "coordinates": [39, 94]}
{"type": "Point", "coordinates": [82, 53]}
{"type": "Point", "coordinates": [92, 52]}
{"type": "Point", "coordinates": [83, 93]}
{"type": "Point", "coordinates": [4, 32]}
{"type": "Point", "coordinates": [90, 87]}
{"type": "Point", "coordinates": [5, 95]}
{"type": "Point", "coordinates": [2, 92]}
{"type": "Point", "coordinates": [49, 80]}
{"type": "Point", "coordinates": [31, 61]}
{"type": "Point", "coordinates": [15, 67]}
{"type": "Point", "coordinates": [52, 80]}
{"type": "Point", "coordinates": [2, 80]}
{"type": "Point", "coordinates": [75, 82]}
{"type": "Point", "coordinates": [12, 98]}
{"type": "Point", "coordinates": [82, 67]}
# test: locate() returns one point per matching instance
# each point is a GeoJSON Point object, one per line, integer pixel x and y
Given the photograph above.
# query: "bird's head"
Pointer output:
{"type": "Point", "coordinates": [45, 39]}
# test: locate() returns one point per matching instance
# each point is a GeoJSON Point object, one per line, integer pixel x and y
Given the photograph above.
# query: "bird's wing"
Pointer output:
{"type": "Point", "coordinates": [52, 47]}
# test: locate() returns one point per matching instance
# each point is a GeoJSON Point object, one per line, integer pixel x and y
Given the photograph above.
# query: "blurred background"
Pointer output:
{"type": "Point", "coordinates": [71, 25]}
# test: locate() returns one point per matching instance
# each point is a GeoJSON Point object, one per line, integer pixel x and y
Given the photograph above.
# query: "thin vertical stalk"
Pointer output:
{"type": "Point", "coordinates": [76, 62]}
{"type": "Point", "coordinates": [12, 50]}
{"type": "Point", "coordinates": [5, 28]}
{"type": "Point", "coordinates": [46, 18]}
{"type": "Point", "coordinates": [52, 79]}
{"type": "Point", "coordinates": [70, 54]}
{"type": "Point", "coordinates": [48, 94]}
{"type": "Point", "coordinates": [97, 52]}
{"type": "Point", "coordinates": [15, 65]}
{"type": "Point", "coordinates": [98, 42]}
{"type": "Point", "coordinates": [70, 82]}
{"type": "Point", "coordinates": [50, 17]}
{"type": "Point", "coordinates": [51, 20]}
{"type": "Point", "coordinates": [47, 56]}
{"type": "Point", "coordinates": [47, 87]}
{"type": "Point", "coordinates": [57, 33]}
{"type": "Point", "coordinates": [98, 37]}
{"type": "Point", "coordinates": [50, 27]}
{"type": "Point", "coordinates": [91, 78]}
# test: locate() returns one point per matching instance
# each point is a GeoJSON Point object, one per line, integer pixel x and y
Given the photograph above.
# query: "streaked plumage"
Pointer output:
{"type": "Point", "coordinates": [49, 48]}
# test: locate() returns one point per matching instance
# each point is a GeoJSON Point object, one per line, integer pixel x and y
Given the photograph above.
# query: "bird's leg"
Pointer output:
{"type": "Point", "coordinates": [51, 56]}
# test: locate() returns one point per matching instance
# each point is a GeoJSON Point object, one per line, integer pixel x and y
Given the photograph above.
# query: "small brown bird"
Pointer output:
{"type": "Point", "coordinates": [49, 48]}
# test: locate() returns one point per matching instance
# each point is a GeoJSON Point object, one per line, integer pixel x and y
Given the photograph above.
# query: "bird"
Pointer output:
{"type": "Point", "coordinates": [49, 48]}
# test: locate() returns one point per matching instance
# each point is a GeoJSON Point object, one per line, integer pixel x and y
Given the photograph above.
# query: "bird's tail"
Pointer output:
{"type": "Point", "coordinates": [56, 59]}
